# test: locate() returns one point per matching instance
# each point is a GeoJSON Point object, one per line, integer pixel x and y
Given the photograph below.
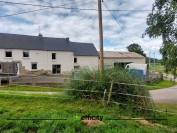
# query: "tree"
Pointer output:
{"type": "Point", "coordinates": [136, 48]}
{"type": "Point", "coordinates": [162, 23]}
{"type": "Point", "coordinates": [169, 52]}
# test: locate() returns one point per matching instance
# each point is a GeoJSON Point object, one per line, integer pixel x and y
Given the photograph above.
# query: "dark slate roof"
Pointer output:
{"type": "Point", "coordinates": [83, 49]}
{"type": "Point", "coordinates": [26, 42]}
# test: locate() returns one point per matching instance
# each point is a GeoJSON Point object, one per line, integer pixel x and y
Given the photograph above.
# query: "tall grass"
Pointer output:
{"type": "Point", "coordinates": [90, 80]}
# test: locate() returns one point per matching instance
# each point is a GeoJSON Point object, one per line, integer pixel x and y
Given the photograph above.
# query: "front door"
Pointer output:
{"type": "Point", "coordinates": [56, 69]}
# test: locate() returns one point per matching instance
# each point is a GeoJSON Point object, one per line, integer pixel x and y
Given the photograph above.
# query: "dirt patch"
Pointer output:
{"type": "Point", "coordinates": [92, 123]}
{"type": "Point", "coordinates": [32, 130]}
{"type": "Point", "coordinates": [143, 121]}
{"type": "Point", "coordinates": [146, 123]}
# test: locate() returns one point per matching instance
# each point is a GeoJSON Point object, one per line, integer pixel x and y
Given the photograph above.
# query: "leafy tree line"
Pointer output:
{"type": "Point", "coordinates": [136, 48]}
{"type": "Point", "coordinates": [162, 23]}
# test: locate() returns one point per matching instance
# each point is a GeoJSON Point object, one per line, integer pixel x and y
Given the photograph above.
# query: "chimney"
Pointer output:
{"type": "Point", "coordinates": [67, 39]}
{"type": "Point", "coordinates": [40, 35]}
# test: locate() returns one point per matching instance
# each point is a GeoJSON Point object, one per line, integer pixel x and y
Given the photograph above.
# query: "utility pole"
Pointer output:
{"type": "Point", "coordinates": [101, 64]}
{"type": "Point", "coordinates": [149, 65]}
{"type": "Point", "coordinates": [154, 62]}
{"type": "Point", "coordinates": [149, 58]}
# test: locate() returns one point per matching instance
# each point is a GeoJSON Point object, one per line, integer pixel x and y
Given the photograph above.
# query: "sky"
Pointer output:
{"type": "Point", "coordinates": [121, 28]}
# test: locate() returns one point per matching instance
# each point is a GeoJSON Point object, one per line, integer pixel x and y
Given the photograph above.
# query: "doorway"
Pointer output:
{"type": "Point", "coordinates": [56, 69]}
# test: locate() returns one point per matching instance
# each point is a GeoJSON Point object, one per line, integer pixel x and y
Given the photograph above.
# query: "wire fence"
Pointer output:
{"type": "Point", "coordinates": [105, 94]}
{"type": "Point", "coordinates": [77, 79]}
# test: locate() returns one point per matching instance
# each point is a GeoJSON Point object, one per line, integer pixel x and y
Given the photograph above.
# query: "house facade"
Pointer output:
{"type": "Point", "coordinates": [38, 54]}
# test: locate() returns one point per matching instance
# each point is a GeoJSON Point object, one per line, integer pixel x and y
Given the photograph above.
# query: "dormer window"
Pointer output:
{"type": "Point", "coordinates": [8, 54]}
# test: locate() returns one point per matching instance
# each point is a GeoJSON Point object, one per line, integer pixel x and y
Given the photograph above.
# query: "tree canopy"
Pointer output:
{"type": "Point", "coordinates": [162, 22]}
{"type": "Point", "coordinates": [136, 48]}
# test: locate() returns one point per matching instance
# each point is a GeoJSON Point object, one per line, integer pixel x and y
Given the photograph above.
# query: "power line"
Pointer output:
{"type": "Point", "coordinates": [88, 9]}
{"type": "Point", "coordinates": [24, 12]}
{"type": "Point", "coordinates": [25, 4]}
{"type": "Point", "coordinates": [114, 17]}
{"type": "Point", "coordinates": [49, 3]}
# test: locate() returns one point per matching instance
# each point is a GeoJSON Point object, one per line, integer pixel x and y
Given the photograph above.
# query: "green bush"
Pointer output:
{"type": "Point", "coordinates": [123, 82]}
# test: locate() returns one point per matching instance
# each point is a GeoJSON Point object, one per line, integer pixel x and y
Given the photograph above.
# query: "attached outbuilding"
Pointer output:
{"type": "Point", "coordinates": [121, 59]}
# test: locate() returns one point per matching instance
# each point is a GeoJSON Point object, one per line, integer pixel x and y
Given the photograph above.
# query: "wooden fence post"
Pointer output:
{"type": "Point", "coordinates": [110, 92]}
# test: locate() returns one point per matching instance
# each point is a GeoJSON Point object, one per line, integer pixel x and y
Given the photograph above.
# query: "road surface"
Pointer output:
{"type": "Point", "coordinates": [168, 95]}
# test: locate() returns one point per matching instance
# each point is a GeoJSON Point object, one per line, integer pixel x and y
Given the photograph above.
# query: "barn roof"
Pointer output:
{"type": "Point", "coordinates": [26, 42]}
{"type": "Point", "coordinates": [116, 54]}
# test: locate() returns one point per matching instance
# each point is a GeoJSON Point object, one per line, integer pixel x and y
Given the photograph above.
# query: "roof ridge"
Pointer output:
{"type": "Point", "coordinates": [81, 43]}
{"type": "Point", "coordinates": [31, 35]}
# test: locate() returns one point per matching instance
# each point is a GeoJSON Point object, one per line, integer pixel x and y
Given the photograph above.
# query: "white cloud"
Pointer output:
{"type": "Point", "coordinates": [83, 25]}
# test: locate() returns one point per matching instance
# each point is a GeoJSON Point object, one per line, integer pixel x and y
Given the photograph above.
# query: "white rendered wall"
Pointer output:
{"type": "Point", "coordinates": [42, 58]}
{"type": "Point", "coordinates": [87, 62]}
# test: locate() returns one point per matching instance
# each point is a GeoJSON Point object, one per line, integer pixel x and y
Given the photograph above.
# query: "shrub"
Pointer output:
{"type": "Point", "coordinates": [123, 83]}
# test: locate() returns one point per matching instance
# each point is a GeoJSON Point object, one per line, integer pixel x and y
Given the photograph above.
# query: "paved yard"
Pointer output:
{"type": "Point", "coordinates": [168, 95]}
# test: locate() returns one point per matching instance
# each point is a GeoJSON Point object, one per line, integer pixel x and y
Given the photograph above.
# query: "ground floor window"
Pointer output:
{"type": "Point", "coordinates": [76, 67]}
{"type": "Point", "coordinates": [34, 66]}
{"type": "Point", "coordinates": [56, 69]}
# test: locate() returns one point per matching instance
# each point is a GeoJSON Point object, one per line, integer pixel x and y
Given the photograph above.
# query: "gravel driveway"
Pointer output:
{"type": "Point", "coordinates": [168, 95]}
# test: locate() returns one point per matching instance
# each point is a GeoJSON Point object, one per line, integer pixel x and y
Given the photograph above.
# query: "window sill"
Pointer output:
{"type": "Point", "coordinates": [8, 57]}
{"type": "Point", "coordinates": [33, 70]}
{"type": "Point", "coordinates": [26, 58]}
{"type": "Point", "coordinates": [76, 64]}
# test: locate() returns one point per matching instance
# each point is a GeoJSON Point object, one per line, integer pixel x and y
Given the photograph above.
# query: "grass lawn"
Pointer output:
{"type": "Point", "coordinates": [160, 85]}
{"type": "Point", "coordinates": [171, 119]}
{"type": "Point", "coordinates": [32, 109]}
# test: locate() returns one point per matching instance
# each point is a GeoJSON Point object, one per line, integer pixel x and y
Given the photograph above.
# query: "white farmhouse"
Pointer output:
{"type": "Point", "coordinates": [45, 54]}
